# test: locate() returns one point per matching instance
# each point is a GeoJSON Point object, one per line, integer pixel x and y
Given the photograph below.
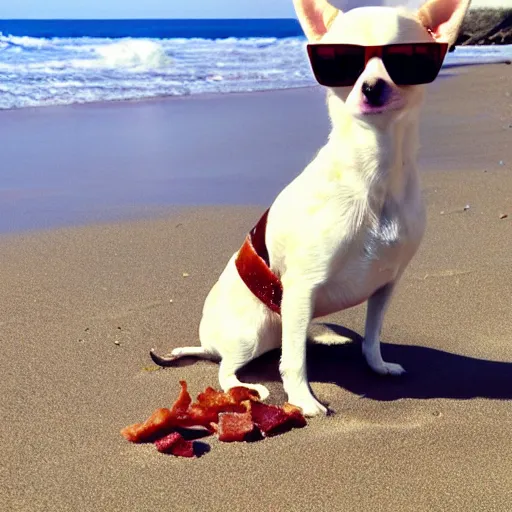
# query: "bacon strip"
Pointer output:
{"type": "Point", "coordinates": [174, 444]}
{"type": "Point", "coordinates": [234, 426]}
{"type": "Point", "coordinates": [158, 424]}
{"type": "Point", "coordinates": [295, 417]}
{"type": "Point", "coordinates": [268, 418]}
{"type": "Point", "coordinates": [162, 421]}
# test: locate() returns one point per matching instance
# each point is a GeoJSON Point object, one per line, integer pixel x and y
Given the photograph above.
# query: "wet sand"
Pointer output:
{"type": "Point", "coordinates": [82, 305]}
{"type": "Point", "coordinates": [85, 163]}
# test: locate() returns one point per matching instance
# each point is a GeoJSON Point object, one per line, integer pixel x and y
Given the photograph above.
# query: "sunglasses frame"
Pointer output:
{"type": "Point", "coordinates": [382, 52]}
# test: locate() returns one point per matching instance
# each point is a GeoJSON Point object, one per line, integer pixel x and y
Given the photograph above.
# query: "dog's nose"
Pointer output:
{"type": "Point", "coordinates": [375, 91]}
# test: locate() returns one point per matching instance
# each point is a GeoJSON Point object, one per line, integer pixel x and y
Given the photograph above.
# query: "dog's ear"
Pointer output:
{"type": "Point", "coordinates": [443, 18]}
{"type": "Point", "coordinates": [315, 17]}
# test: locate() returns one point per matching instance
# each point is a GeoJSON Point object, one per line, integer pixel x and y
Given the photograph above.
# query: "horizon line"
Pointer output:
{"type": "Point", "coordinates": [147, 19]}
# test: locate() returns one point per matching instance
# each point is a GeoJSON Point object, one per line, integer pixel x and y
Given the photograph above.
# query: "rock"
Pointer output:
{"type": "Point", "coordinates": [486, 27]}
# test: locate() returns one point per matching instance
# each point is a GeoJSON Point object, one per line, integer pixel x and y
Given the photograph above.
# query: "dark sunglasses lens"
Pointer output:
{"type": "Point", "coordinates": [413, 64]}
{"type": "Point", "coordinates": [336, 66]}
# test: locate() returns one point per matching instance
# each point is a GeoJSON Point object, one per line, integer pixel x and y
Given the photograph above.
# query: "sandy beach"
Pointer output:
{"type": "Point", "coordinates": [104, 207]}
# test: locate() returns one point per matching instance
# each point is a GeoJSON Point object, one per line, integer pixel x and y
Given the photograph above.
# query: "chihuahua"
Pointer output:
{"type": "Point", "coordinates": [344, 230]}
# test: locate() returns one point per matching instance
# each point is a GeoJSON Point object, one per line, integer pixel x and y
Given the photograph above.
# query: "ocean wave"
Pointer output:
{"type": "Point", "coordinates": [23, 42]}
{"type": "Point", "coordinates": [134, 53]}
{"type": "Point", "coordinates": [36, 71]}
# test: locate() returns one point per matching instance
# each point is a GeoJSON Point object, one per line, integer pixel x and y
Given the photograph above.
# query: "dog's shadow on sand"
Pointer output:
{"type": "Point", "coordinates": [431, 373]}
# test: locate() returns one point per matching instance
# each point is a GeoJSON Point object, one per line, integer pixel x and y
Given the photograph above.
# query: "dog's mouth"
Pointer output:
{"type": "Point", "coordinates": [365, 108]}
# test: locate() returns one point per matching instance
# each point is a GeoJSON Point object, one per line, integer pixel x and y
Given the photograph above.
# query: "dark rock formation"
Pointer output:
{"type": "Point", "coordinates": [486, 26]}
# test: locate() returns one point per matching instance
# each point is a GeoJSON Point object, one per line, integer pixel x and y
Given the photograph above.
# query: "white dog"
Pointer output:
{"type": "Point", "coordinates": [345, 229]}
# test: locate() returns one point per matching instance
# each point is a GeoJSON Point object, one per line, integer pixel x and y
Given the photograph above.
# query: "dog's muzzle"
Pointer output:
{"type": "Point", "coordinates": [375, 91]}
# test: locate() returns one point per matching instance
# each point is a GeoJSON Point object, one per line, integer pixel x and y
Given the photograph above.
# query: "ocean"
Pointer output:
{"type": "Point", "coordinates": [57, 62]}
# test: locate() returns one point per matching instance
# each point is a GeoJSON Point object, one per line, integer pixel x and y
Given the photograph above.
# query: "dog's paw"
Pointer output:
{"type": "Point", "coordinates": [310, 405]}
{"type": "Point", "coordinates": [388, 369]}
{"type": "Point", "coordinates": [262, 390]}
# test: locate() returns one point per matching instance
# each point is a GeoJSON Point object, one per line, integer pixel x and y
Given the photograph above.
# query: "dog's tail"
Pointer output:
{"type": "Point", "coordinates": [178, 353]}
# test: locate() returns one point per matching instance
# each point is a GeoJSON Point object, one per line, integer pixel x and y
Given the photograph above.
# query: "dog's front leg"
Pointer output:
{"type": "Point", "coordinates": [296, 312]}
{"type": "Point", "coordinates": [377, 306]}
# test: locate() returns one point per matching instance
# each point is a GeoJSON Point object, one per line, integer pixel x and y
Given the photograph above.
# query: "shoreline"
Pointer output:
{"type": "Point", "coordinates": [162, 97]}
{"type": "Point", "coordinates": [172, 97]}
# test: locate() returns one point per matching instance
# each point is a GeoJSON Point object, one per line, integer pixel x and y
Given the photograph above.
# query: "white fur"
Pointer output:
{"type": "Point", "coordinates": [344, 230]}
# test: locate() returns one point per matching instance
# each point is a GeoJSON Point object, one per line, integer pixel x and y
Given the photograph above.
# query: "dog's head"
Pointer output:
{"type": "Point", "coordinates": [375, 97]}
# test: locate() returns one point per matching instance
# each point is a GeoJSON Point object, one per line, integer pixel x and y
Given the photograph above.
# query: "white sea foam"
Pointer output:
{"type": "Point", "coordinates": [24, 41]}
{"type": "Point", "coordinates": [134, 53]}
{"type": "Point", "coordinates": [65, 70]}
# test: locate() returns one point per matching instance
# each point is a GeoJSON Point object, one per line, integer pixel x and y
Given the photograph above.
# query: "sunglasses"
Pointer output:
{"type": "Point", "coordinates": [340, 65]}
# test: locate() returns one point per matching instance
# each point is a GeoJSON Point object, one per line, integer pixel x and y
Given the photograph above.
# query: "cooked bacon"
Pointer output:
{"type": "Point", "coordinates": [198, 416]}
{"type": "Point", "coordinates": [217, 401]}
{"type": "Point", "coordinates": [234, 426]}
{"type": "Point", "coordinates": [295, 416]}
{"type": "Point", "coordinates": [241, 393]}
{"type": "Point", "coordinates": [159, 423]}
{"type": "Point", "coordinates": [174, 444]}
{"type": "Point", "coordinates": [213, 399]}
{"type": "Point", "coordinates": [272, 420]}
{"type": "Point", "coordinates": [233, 416]}
{"type": "Point", "coordinates": [180, 407]}
{"type": "Point", "coordinates": [162, 421]}
{"type": "Point", "coordinates": [267, 418]}
{"type": "Point", "coordinates": [185, 414]}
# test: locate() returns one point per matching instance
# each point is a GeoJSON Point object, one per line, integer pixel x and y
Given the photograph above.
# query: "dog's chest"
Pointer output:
{"type": "Point", "coordinates": [380, 250]}
{"type": "Point", "coordinates": [383, 239]}
{"type": "Point", "coordinates": [383, 247]}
